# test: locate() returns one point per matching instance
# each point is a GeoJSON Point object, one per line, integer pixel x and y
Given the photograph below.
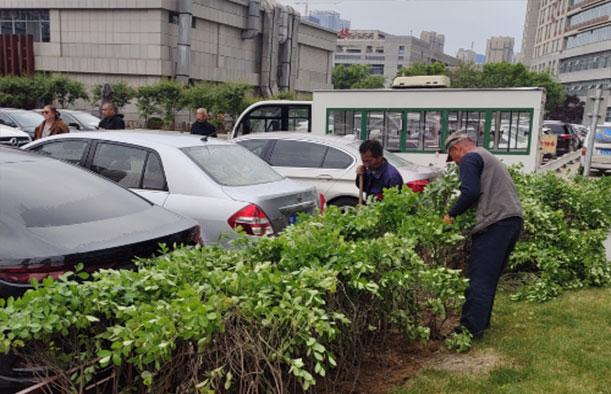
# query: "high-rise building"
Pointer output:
{"type": "Point", "coordinates": [329, 19]}
{"type": "Point", "coordinates": [571, 39]}
{"type": "Point", "coordinates": [499, 49]}
{"type": "Point", "coordinates": [386, 53]}
{"type": "Point", "coordinates": [466, 55]}
{"type": "Point", "coordinates": [437, 41]}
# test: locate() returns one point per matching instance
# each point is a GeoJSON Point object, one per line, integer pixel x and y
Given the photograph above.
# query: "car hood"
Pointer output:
{"type": "Point", "coordinates": [6, 131]}
{"type": "Point", "coordinates": [52, 244]}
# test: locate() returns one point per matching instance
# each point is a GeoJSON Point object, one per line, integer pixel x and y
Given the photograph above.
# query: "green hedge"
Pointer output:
{"type": "Point", "coordinates": [283, 313]}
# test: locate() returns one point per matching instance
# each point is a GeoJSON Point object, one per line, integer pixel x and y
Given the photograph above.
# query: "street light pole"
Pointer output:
{"type": "Point", "coordinates": [590, 142]}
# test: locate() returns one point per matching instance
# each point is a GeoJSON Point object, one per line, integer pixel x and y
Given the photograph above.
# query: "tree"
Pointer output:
{"type": "Point", "coordinates": [233, 98]}
{"type": "Point", "coordinates": [570, 111]}
{"type": "Point", "coordinates": [202, 95]}
{"type": "Point", "coordinates": [66, 90]}
{"type": "Point", "coordinates": [25, 92]}
{"type": "Point", "coordinates": [420, 68]}
{"type": "Point", "coordinates": [464, 76]}
{"type": "Point", "coordinates": [170, 96]}
{"type": "Point", "coordinates": [122, 94]}
{"type": "Point", "coordinates": [147, 102]}
{"type": "Point", "coordinates": [355, 76]}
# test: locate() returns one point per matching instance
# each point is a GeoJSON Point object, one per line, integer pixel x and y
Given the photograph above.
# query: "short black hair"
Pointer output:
{"type": "Point", "coordinates": [372, 146]}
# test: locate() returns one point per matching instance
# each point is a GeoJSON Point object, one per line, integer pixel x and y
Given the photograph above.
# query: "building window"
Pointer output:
{"type": "Point", "coordinates": [608, 117]}
{"type": "Point", "coordinates": [34, 22]}
{"type": "Point", "coordinates": [376, 69]}
{"type": "Point", "coordinates": [589, 37]}
{"type": "Point", "coordinates": [173, 18]}
{"type": "Point", "coordinates": [401, 49]}
{"type": "Point", "coordinates": [591, 14]}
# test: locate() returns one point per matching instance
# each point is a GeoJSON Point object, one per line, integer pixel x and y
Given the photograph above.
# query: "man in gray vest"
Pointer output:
{"type": "Point", "coordinates": [486, 186]}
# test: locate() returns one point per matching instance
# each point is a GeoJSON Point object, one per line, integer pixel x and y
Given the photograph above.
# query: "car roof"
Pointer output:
{"type": "Point", "coordinates": [13, 110]}
{"type": "Point", "coordinates": [329, 139]}
{"type": "Point", "coordinates": [147, 138]}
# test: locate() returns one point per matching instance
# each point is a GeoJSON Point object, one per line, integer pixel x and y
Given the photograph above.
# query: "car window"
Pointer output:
{"type": "Point", "coordinates": [255, 146]}
{"type": "Point", "coordinates": [154, 178]}
{"type": "Point", "coordinates": [297, 154]}
{"type": "Point", "coordinates": [556, 128]}
{"type": "Point", "coordinates": [68, 150]}
{"type": "Point", "coordinates": [27, 118]}
{"type": "Point", "coordinates": [67, 118]}
{"type": "Point", "coordinates": [122, 164]}
{"type": "Point", "coordinates": [86, 118]}
{"type": "Point", "coordinates": [5, 120]}
{"type": "Point", "coordinates": [337, 159]}
{"type": "Point", "coordinates": [232, 165]}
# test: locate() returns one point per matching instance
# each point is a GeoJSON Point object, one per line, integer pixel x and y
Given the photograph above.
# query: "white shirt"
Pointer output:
{"type": "Point", "coordinates": [46, 130]}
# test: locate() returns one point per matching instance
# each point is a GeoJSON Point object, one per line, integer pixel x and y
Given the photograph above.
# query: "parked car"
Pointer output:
{"type": "Point", "coordinates": [21, 119]}
{"type": "Point", "coordinates": [567, 137]}
{"type": "Point", "coordinates": [77, 120]}
{"type": "Point", "coordinates": [601, 154]}
{"type": "Point", "coordinates": [10, 136]}
{"type": "Point", "coordinates": [327, 162]}
{"type": "Point", "coordinates": [218, 183]}
{"type": "Point", "coordinates": [54, 216]}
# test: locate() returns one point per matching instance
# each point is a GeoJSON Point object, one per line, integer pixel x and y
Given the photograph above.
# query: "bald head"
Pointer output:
{"type": "Point", "coordinates": [202, 114]}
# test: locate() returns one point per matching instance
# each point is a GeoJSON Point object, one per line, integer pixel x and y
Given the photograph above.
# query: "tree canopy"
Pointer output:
{"type": "Point", "coordinates": [493, 75]}
{"type": "Point", "coordinates": [355, 76]}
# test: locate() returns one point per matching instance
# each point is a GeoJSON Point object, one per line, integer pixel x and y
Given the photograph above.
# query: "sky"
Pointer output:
{"type": "Point", "coordinates": [461, 21]}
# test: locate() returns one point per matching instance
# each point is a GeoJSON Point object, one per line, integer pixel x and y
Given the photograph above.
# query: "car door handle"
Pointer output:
{"type": "Point", "coordinates": [325, 176]}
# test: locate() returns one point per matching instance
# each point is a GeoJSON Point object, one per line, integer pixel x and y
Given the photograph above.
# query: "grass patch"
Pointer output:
{"type": "Point", "coordinates": [561, 346]}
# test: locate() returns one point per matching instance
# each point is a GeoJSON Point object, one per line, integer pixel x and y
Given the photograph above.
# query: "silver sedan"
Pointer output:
{"type": "Point", "coordinates": [218, 183]}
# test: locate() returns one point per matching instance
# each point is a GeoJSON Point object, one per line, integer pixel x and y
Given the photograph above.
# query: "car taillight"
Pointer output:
{"type": "Point", "coordinates": [323, 202]}
{"type": "Point", "coordinates": [253, 220]}
{"type": "Point", "coordinates": [566, 136]}
{"type": "Point", "coordinates": [417, 186]}
{"type": "Point", "coordinates": [26, 273]}
{"type": "Point", "coordinates": [583, 151]}
{"type": "Point", "coordinates": [196, 236]}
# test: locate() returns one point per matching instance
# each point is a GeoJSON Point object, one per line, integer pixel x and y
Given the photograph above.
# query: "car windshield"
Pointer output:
{"type": "Point", "coordinates": [28, 119]}
{"type": "Point", "coordinates": [31, 196]}
{"type": "Point", "coordinates": [86, 118]}
{"type": "Point", "coordinates": [232, 165]}
{"type": "Point", "coordinates": [393, 159]}
{"type": "Point", "coordinates": [555, 128]}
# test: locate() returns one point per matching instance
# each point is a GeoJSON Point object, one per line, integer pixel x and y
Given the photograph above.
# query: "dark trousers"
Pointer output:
{"type": "Point", "coordinates": [490, 251]}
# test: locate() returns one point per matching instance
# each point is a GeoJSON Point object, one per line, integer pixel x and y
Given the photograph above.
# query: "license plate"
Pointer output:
{"type": "Point", "coordinates": [605, 152]}
{"type": "Point", "coordinates": [293, 218]}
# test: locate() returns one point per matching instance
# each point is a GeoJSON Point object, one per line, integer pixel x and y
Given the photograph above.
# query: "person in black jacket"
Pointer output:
{"type": "Point", "coordinates": [201, 126]}
{"type": "Point", "coordinates": [111, 120]}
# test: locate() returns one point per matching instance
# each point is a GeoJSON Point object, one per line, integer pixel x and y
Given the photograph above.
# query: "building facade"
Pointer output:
{"type": "Point", "coordinates": [571, 39]}
{"type": "Point", "coordinates": [329, 19]}
{"type": "Point", "coordinates": [437, 41]}
{"type": "Point", "coordinates": [499, 49]}
{"type": "Point", "coordinates": [466, 56]}
{"type": "Point", "coordinates": [385, 53]}
{"type": "Point", "coordinates": [259, 42]}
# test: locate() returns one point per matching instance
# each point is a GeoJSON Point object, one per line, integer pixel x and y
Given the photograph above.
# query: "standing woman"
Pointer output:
{"type": "Point", "coordinates": [51, 125]}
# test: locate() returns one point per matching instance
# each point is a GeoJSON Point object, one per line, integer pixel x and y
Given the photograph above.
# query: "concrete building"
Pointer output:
{"type": "Point", "coordinates": [385, 53]}
{"type": "Point", "coordinates": [466, 55]}
{"type": "Point", "coordinates": [499, 49]}
{"type": "Point", "coordinates": [571, 39]}
{"type": "Point", "coordinates": [437, 41]}
{"type": "Point", "coordinates": [259, 42]}
{"type": "Point", "coordinates": [329, 19]}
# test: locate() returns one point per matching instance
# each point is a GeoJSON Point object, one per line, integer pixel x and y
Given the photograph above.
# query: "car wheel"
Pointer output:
{"type": "Point", "coordinates": [344, 203]}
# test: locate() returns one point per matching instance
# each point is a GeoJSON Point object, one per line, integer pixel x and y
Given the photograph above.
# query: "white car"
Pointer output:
{"type": "Point", "coordinates": [10, 136]}
{"type": "Point", "coordinates": [601, 155]}
{"type": "Point", "coordinates": [218, 183]}
{"type": "Point", "coordinates": [327, 162]}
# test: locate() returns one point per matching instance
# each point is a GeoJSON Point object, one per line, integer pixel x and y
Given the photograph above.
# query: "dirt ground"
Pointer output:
{"type": "Point", "coordinates": [398, 362]}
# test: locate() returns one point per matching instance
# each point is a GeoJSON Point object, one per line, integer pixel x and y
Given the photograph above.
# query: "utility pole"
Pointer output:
{"type": "Point", "coordinates": [590, 142]}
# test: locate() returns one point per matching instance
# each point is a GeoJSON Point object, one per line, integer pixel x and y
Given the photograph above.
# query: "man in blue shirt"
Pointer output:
{"type": "Point", "coordinates": [486, 186]}
{"type": "Point", "coordinates": [378, 173]}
